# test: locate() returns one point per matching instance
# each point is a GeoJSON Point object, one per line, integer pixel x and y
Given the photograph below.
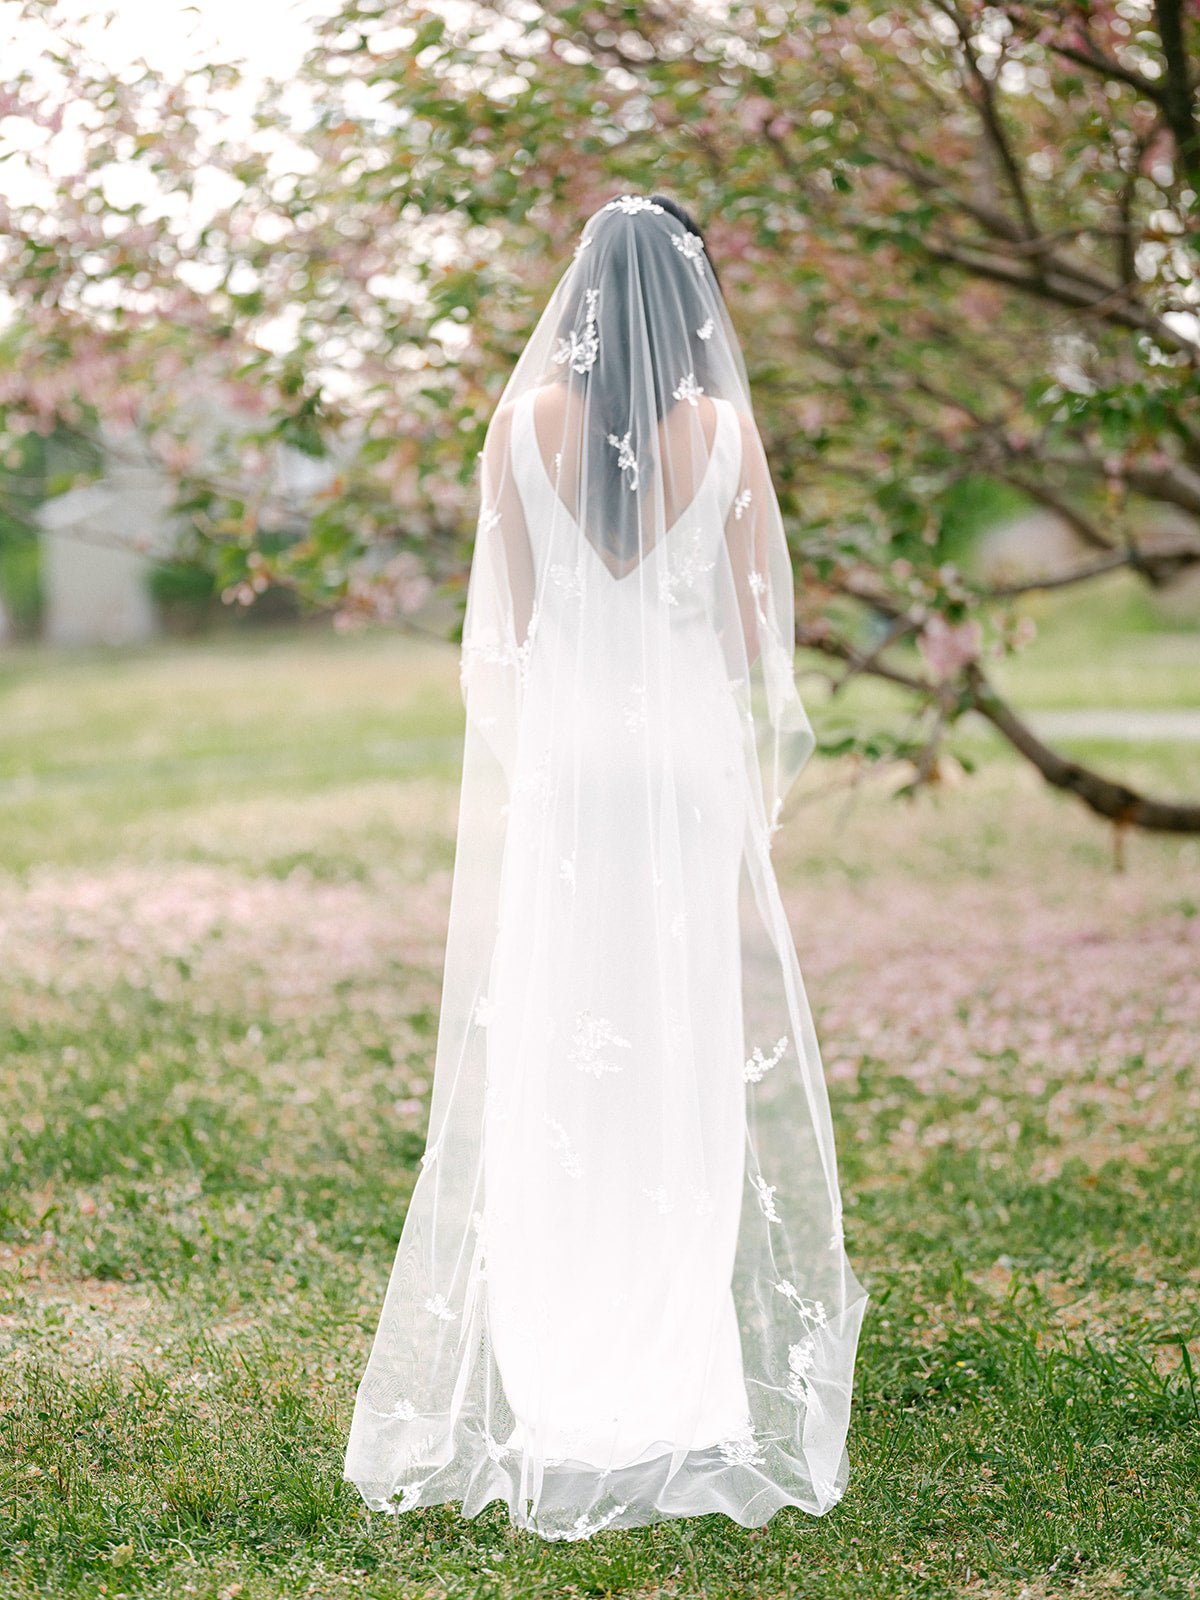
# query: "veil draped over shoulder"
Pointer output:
{"type": "Point", "coordinates": [621, 1291]}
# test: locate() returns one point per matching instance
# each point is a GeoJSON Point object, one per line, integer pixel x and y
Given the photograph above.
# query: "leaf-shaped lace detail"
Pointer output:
{"type": "Point", "coordinates": [568, 1156]}
{"type": "Point", "coordinates": [631, 204]}
{"type": "Point", "coordinates": [440, 1306]}
{"type": "Point", "coordinates": [581, 349]}
{"type": "Point", "coordinates": [759, 1065]}
{"type": "Point", "coordinates": [741, 1450]}
{"type": "Point", "coordinates": [410, 1498]}
{"type": "Point", "coordinates": [766, 1198]}
{"type": "Point", "coordinates": [705, 330]}
{"type": "Point", "coordinates": [626, 460]}
{"type": "Point", "coordinates": [742, 502]}
{"type": "Point", "coordinates": [813, 1311]}
{"type": "Point", "coordinates": [802, 1361]}
{"type": "Point", "coordinates": [686, 571]}
{"type": "Point", "coordinates": [568, 579]}
{"type": "Point", "coordinates": [691, 248]}
{"type": "Point", "coordinates": [592, 1044]}
{"type": "Point", "coordinates": [584, 1527]}
{"type": "Point", "coordinates": [688, 389]}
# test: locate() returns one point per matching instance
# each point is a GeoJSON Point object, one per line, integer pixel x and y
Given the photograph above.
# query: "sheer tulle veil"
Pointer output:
{"type": "Point", "coordinates": [621, 1291]}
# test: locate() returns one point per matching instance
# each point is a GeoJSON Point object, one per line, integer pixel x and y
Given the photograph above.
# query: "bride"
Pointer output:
{"type": "Point", "coordinates": [621, 1291]}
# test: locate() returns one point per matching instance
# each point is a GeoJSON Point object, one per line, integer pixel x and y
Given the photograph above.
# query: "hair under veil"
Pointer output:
{"type": "Point", "coordinates": [621, 1291]}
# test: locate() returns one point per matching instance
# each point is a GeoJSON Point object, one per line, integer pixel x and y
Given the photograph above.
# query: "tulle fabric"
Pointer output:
{"type": "Point", "coordinates": [621, 1291]}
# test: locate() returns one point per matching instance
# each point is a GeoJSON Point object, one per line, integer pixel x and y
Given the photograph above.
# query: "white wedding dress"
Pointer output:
{"type": "Point", "coordinates": [621, 1291]}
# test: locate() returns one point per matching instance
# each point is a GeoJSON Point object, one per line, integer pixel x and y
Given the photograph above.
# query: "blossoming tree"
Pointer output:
{"type": "Point", "coordinates": [959, 240]}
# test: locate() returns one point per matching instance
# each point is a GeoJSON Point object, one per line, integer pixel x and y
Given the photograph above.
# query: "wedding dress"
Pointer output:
{"type": "Point", "coordinates": [621, 1291]}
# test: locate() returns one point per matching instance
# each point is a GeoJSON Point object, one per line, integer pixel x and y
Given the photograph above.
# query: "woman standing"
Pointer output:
{"type": "Point", "coordinates": [621, 1292]}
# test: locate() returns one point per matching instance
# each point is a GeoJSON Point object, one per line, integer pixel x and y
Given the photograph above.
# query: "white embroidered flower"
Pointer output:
{"type": "Point", "coordinates": [626, 460]}
{"type": "Point", "coordinates": [705, 330]}
{"type": "Point", "coordinates": [404, 1410]}
{"type": "Point", "coordinates": [766, 1198]}
{"type": "Point", "coordinates": [592, 1043]}
{"type": "Point", "coordinates": [410, 1497]}
{"type": "Point", "coordinates": [440, 1306]}
{"type": "Point", "coordinates": [759, 1065]}
{"type": "Point", "coordinates": [536, 784]}
{"type": "Point", "coordinates": [568, 1156]}
{"type": "Point", "coordinates": [568, 579]}
{"type": "Point", "coordinates": [702, 1202]}
{"type": "Point", "coordinates": [489, 517]}
{"type": "Point", "coordinates": [802, 1360]}
{"type": "Point", "coordinates": [661, 1199]}
{"type": "Point", "coordinates": [496, 1451]}
{"type": "Point", "coordinates": [687, 570]}
{"type": "Point", "coordinates": [557, 462]}
{"type": "Point", "coordinates": [758, 584]}
{"type": "Point", "coordinates": [585, 239]}
{"type": "Point", "coordinates": [691, 248]}
{"type": "Point", "coordinates": [813, 1311]}
{"type": "Point", "coordinates": [431, 1153]}
{"type": "Point", "coordinates": [581, 349]}
{"type": "Point", "coordinates": [485, 1011]}
{"type": "Point", "coordinates": [688, 389]}
{"type": "Point", "coordinates": [837, 1234]}
{"type": "Point", "coordinates": [742, 501]}
{"type": "Point", "coordinates": [631, 204]}
{"type": "Point", "coordinates": [741, 1450]}
{"type": "Point", "coordinates": [584, 1527]}
{"type": "Point", "coordinates": [566, 869]}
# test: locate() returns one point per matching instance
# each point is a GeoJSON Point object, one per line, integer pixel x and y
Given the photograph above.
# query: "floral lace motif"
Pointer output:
{"type": "Point", "coordinates": [688, 389]}
{"type": "Point", "coordinates": [631, 204]}
{"type": "Point", "coordinates": [691, 248]}
{"type": "Point", "coordinates": [741, 1450]}
{"type": "Point", "coordinates": [802, 1361]}
{"type": "Point", "coordinates": [440, 1307]}
{"type": "Point", "coordinates": [485, 1011]}
{"type": "Point", "coordinates": [813, 1311]}
{"type": "Point", "coordinates": [584, 1527]}
{"type": "Point", "coordinates": [568, 579]}
{"type": "Point", "coordinates": [686, 571]}
{"type": "Point", "coordinates": [536, 784]}
{"type": "Point", "coordinates": [560, 1141]}
{"type": "Point", "coordinates": [766, 1197]}
{"type": "Point", "coordinates": [581, 349]}
{"type": "Point", "coordinates": [705, 330]}
{"type": "Point", "coordinates": [759, 1065]}
{"type": "Point", "coordinates": [742, 502]}
{"type": "Point", "coordinates": [626, 460]}
{"type": "Point", "coordinates": [410, 1498]}
{"type": "Point", "coordinates": [592, 1043]}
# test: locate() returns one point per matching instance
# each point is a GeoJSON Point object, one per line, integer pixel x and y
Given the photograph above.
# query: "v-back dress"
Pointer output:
{"type": "Point", "coordinates": [615, 1123]}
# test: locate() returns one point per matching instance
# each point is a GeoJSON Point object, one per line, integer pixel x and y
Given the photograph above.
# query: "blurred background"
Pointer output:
{"type": "Point", "coordinates": [265, 272]}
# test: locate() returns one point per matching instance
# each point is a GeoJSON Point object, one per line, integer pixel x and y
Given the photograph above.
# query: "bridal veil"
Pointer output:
{"type": "Point", "coordinates": [621, 1291]}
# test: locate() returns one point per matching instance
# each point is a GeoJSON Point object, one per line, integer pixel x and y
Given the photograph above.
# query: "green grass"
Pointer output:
{"type": "Point", "coordinates": [225, 881]}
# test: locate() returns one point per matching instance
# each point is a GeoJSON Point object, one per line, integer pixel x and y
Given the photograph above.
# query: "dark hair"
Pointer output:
{"type": "Point", "coordinates": [675, 301]}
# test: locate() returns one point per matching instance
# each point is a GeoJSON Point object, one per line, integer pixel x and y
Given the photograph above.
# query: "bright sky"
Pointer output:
{"type": "Point", "coordinates": [269, 35]}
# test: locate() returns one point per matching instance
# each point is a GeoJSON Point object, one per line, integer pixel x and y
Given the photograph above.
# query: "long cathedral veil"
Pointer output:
{"type": "Point", "coordinates": [621, 1292]}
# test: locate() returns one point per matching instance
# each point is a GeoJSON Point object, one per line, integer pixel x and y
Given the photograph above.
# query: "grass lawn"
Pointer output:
{"type": "Point", "coordinates": [224, 879]}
